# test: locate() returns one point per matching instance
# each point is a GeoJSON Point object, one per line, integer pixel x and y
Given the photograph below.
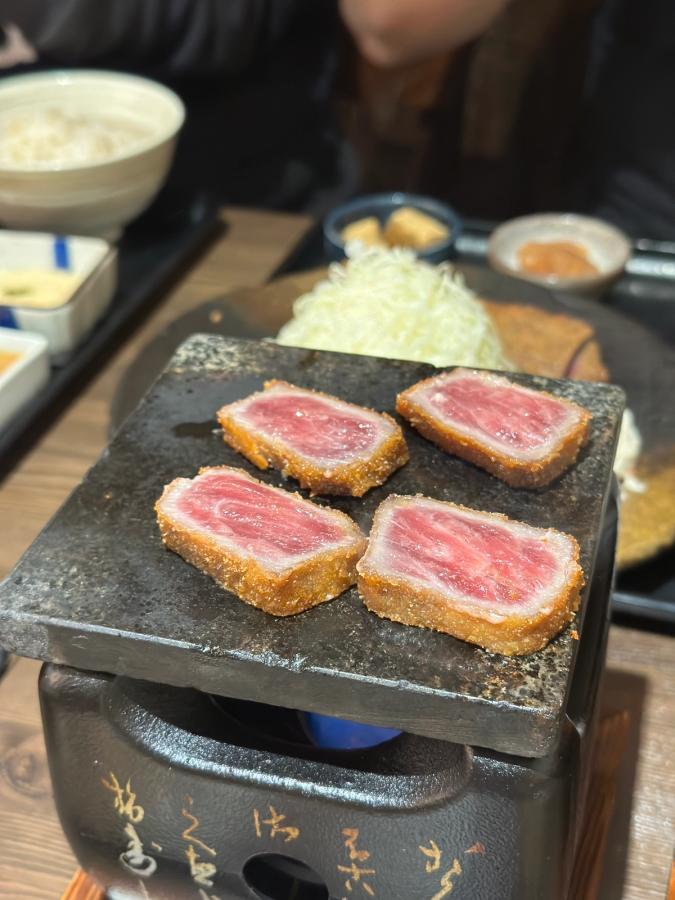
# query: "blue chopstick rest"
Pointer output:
{"type": "Point", "coordinates": [61, 252]}
{"type": "Point", "coordinates": [7, 319]}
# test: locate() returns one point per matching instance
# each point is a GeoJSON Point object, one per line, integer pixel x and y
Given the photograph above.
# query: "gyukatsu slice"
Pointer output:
{"type": "Point", "coordinates": [329, 445]}
{"type": "Point", "coordinates": [523, 436]}
{"type": "Point", "coordinates": [273, 549]}
{"type": "Point", "coordinates": [484, 578]}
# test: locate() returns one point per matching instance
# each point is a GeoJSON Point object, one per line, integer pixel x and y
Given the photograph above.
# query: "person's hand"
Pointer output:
{"type": "Point", "coordinates": [15, 49]}
{"type": "Point", "coordinates": [397, 32]}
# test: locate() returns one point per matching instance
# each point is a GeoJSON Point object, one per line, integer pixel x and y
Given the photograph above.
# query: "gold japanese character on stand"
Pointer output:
{"type": "Point", "coordinates": [188, 835]}
{"type": "Point", "coordinates": [202, 873]}
{"type": "Point", "coordinates": [476, 848]}
{"type": "Point", "coordinates": [357, 874]}
{"type": "Point", "coordinates": [434, 855]}
{"type": "Point", "coordinates": [352, 835]}
{"type": "Point", "coordinates": [125, 799]}
{"type": "Point", "coordinates": [134, 858]}
{"type": "Point", "coordinates": [446, 881]}
{"type": "Point", "coordinates": [204, 896]}
{"type": "Point", "coordinates": [290, 832]}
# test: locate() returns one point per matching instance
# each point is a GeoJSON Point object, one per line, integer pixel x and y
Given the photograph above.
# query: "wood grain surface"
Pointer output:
{"type": "Point", "coordinates": [82, 887]}
{"type": "Point", "coordinates": [35, 860]}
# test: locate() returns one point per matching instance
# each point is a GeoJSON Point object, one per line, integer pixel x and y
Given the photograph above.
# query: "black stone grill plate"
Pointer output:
{"type": "Point", "coordinates": [97, 590]}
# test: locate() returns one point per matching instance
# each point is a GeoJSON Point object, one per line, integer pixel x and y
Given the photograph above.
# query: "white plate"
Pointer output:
{"type": "Point", "coordinates": [92, 259]}
{"type": "Point", "coordinates": [24, 378]}
{"type": "Point", "coordinates": [608, 248]}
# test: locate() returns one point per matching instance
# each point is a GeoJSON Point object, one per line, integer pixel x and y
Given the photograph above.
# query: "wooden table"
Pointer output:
{"type": "Point", "coordinates": [35, 859]}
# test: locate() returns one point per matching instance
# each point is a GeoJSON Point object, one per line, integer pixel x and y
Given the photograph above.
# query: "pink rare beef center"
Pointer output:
{"type": "Point", "coordinates": [256, 519]}
{"type": "Point", "coordinates": [449, 551]}
{"type": "Point", "coordinates": [312, 426]}
{"type": "Point", "coordinates": [505, 415]}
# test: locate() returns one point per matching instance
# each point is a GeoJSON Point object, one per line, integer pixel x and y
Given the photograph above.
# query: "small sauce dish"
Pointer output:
{"type": "Point", "coordinates": [25, 372]}
{"type": "Point", "coordinates": [605, 247]}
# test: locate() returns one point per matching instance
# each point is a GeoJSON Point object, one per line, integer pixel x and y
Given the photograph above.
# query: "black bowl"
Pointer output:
{"type": "Point", "coordinates": [381, 206]}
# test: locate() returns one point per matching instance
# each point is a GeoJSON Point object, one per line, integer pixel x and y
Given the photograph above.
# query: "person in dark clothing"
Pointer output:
{"type": "Point", "coordinates": [256, 77]}
{"type": "Point", "coordinates": [562, 104]}
{"type": "Point", "coordinates": [626, 162]}
{"type": "Point", "coordinates": [536, 107]}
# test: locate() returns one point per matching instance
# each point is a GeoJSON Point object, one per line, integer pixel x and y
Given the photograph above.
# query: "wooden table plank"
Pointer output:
{"type": "Point", "coordinates": [35, 860]}
{"type": "Point", "coordinates": [640, 677]}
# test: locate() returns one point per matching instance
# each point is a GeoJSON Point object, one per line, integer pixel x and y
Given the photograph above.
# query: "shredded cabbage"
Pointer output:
{"type": "Point", "coordinates": [386, 302]}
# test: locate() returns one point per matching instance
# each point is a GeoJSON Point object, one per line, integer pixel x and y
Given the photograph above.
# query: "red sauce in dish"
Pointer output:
{"type": "Point", "coordinates": [563, 259]}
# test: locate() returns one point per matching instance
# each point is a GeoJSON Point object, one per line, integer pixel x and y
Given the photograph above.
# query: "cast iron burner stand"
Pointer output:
{"type": "Point", "coordinates": [171, 777]}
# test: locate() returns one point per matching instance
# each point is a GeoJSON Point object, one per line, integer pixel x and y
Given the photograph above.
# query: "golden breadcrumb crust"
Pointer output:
{"type": "Point", "coordinates": [537, 341]}
{"type": "Point", "coordinates": [587, 365]}
{"type": "Point", "coordinates": [543, 343]}
{"type": "Point", "coordinates": [514, 471]}
{"type": "Point", "coordinates": [516, 635]}
{"type": "Point", "coordinates": [315, 580]}
{"type": "Point", "coordinates": [352, 479]}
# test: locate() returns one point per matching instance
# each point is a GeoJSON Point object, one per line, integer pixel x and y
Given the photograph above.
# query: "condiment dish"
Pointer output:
{"type": "Point", "coordinates": [608, 249]}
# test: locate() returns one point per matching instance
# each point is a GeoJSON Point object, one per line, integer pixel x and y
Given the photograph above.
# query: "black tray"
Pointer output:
{"type": "Point", "coordinates": [152, 251]}
{"type": "Point", "coordinates": [644, 594]}
{"type": "Point", "coordinates": [97, 590]}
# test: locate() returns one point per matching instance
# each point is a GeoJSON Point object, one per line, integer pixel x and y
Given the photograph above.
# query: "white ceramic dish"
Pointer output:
{"type": "Point", "coordinates": [27, 376]}
{"type": "Point", "coordinates": [92, 259]}
{"type": "Point", "coordinates": [99, 197]}
{"type": "Point", "coordinates": [608, 248]}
